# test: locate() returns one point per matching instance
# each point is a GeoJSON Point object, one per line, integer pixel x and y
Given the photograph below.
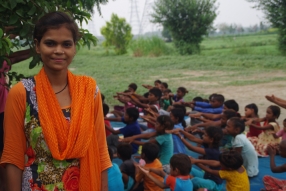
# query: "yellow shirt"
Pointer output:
{"type": "Point", "coordinates": [235, 181]}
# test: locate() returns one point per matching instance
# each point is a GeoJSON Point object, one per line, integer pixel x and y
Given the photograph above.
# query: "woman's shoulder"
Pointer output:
{"type": "Point", "coordinates": [17, 90]}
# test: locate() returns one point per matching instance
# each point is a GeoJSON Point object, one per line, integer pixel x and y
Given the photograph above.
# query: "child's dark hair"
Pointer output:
{"type": "Point", "coordinates": [110, 152]}
{"type": "Point", "coordinates": [167, 91]}
{"type": "Point", "coordinates": [229, 113]}
{"type": "Point", "coordinates": [231, 159]}
{"type": "Point", "coordinates": [200, 99]}
{"type": "Point", "coordinates": [254, 107]}
{"type": "Point", "coordinates": [231, 104]}
{"type": "Point", "coordinates": [55, 20]}
{"type": "Point", "coordinates": [183, 90]}
{"type": "Point", "coordinates": [105, 109]}
{"type": "Point", "coordinates": [151, 151]}
{"type": "Point", "coordinates": [216, 134]}
{"type": "Point", "coordinates": [133, 113]}
{"type": "Point", "coordinates": [133, 86]}
{"type": "Point", "coordinates": [165, 84]}
{"type": "Point", "coordinates": [158, 81]}
{"type": "Point", "coordinates": [238, 123]}
{"type": "Point", "coordinates": [124, 150]}
{"type": "Point", "coordinates": [212, 95]}
{"type": "Point", "coordinates": [275, 110]}
{"type": "Point", "coordinates": [165, 121]}
{"type": "Point", "coordinates": [181, 162]}
{"type": "Point", "coordinates": [284, 120]}
{"type": "Point", "coordinates": [102, 97]}
{"type": "Point", "coordinates": [180, 114]}
{"type": "Point", "coordinates": [219, 98]}
{"type": "Point", "coordinates": [126, 91]}
{"type": "Point", "coordinates": [157, 92]}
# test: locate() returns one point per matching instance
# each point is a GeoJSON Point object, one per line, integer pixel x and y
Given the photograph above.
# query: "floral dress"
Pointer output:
{"type": "Point", "coordinates": [42, 171]}
{"type": "Point", "coordinates": [264, 139]}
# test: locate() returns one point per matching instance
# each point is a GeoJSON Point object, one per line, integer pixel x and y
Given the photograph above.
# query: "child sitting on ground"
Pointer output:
{"type": "Point", "coordinates": [215, 106]}
{"type": "Point", "coordinates": [177, 117]}
{"type": "Point", "coordinates": [162, 139]}
{"type": "Point", "coordinates": [269, 127]}
{"type": "Point", "coordinates": [211, 140]}
{"type": "Point", "coordinates": [114, 175]}
{"type": "Point", "coordinates": [166, 99]}
{"type": "Point", "coordinates": [127, 168]}
{"type": "Point", "coordinates": [251, 111]}
{"type": "Point", "coordinates": [235, 127]}
{"type": "Point", "coordinates": [149, 154]}
{"type": "Point", "coordinates": [229, 104]}
{"type": "Point", "coordinates": [151, 102]}
{"type": "Point", "coordinates": [270, 182]}
{"type": "Point", "coordinates": [179, 178]}
{"type": "Point", "coordinates": [163, 86]}
{"type": "Point", "coordinates": [232, 170]}
{"type": "Point", "coordinates": [282, 132]}
{"type": "Point", "coordinates": [179, 97]}
{"type": "Point", "coordinates": [132, 128]}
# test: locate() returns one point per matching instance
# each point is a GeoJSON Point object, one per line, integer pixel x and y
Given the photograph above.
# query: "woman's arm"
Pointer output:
{"type": "Point", "coordinates": [14, 177]}
{"type": "Point", "coordinates": [104, 181]}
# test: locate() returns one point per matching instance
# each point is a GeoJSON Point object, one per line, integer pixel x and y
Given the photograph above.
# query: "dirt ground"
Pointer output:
{"type": "Point", "coordinates": [243, 94]}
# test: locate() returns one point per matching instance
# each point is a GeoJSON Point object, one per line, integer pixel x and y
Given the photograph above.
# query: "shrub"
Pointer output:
{"type": "Point", "coordinates": [153, 46]}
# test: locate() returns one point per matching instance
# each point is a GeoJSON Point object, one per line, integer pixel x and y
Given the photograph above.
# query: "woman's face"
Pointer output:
{"type": "Point", "coordinates": [56, 48]}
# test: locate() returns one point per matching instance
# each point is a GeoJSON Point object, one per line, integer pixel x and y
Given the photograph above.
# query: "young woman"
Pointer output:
{"type": "Point", "coordinates": [54, 120]}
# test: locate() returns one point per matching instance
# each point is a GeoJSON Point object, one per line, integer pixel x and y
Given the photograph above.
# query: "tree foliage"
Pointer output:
{"type": "Point", "coordinates": [275, 11]}
{"type": "Point", "coordinates": [167, 34]}
{"type": "Point", "coordinates": [117, 33]}
{"type": "Point", "coordinates": [18, 17]}
{"type": "Point", "coordinates": [187, 20]}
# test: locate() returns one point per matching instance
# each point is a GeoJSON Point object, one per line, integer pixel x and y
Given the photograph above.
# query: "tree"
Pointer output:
{"type": "Point", "coordinates": [275, 11]}
{"type": "Point", "coordinates": [17, 19]}
{"type": "Point", "coordinates": [166, 34]}
{"type": "Point", "coordinates": [187, 20]}
{"type": "Point", "coordinates": [117, 33]}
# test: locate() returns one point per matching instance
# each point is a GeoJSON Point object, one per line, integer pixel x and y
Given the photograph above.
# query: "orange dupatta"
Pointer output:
{"type": "Point", "coordinates": [74, 140]}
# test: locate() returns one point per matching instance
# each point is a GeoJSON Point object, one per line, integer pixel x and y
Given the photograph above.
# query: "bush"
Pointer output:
{"type": "Point", "coordinates": [117, 34]}
{"type": "Point", "coordinates": [152, 47]}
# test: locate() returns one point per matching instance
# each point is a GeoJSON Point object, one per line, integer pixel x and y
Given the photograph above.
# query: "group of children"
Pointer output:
{"type": "Point", "coordinates": [215, 131]}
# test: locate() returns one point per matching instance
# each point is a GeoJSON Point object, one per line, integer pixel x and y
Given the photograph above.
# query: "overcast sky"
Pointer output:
{"type": "Point", "coordinates": [230, 11]}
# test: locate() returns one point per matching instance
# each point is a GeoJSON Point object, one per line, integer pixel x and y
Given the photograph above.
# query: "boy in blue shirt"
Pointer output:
{"type": "Point", "coordinates": [215, 106]}
{"type": "Point", "coordinates": [179, 178]}
{"type": "Point", "coordinates": [132, 128]}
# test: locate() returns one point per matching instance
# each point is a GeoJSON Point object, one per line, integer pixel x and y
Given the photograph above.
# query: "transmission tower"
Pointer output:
{"type": "Point", "coordinates": [134, 17]}
{"type": "Point", "coordinates": [146, 16]}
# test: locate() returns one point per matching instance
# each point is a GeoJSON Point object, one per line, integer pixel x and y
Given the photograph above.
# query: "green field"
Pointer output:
{"type": "Point", "coordinates": [223, 62]}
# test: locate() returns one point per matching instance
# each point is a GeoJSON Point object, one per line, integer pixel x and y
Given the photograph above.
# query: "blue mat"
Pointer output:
{"type": "Point", "coordinates": [255, 183]}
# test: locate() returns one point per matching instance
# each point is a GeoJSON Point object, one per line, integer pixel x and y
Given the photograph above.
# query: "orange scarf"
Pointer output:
{"type": "Point", "coordinates": [74, 140]}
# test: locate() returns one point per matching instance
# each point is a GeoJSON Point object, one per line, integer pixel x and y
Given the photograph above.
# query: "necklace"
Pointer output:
{"type": "Point", "coordinates": [62, 89]}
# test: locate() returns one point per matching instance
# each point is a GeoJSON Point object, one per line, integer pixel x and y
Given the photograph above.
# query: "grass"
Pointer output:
{"type": "Point", "coordinates": [230, 66]}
